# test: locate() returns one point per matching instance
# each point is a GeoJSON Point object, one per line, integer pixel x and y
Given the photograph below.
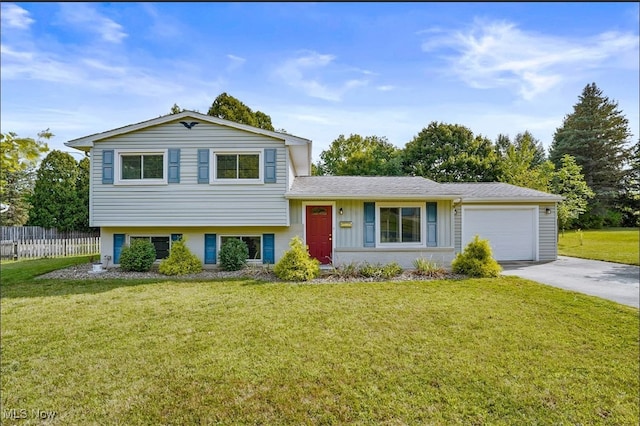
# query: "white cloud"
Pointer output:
{"type": "Point", "coordinates": [499, 54]}
{"type": "Point", "coordinates": [235, 62]}
{"type": "Point", "coordinates": [385, 88]}
{"type": "Point", "coordinates": [13, 16]}
{"type": "Point", "coordinates": [89, 19]}
{"type": "Point", "coordinates": [295, 72]}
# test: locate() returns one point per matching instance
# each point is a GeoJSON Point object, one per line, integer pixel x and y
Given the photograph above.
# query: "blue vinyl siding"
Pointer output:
{"type": "Point", "coordinates": [268, 249]}
{"type": "Point", "coordinates": [210, 252]}
{"type": "Point", "coordinates": [107, 166]}
{"type": "Point", "coordinates": [174, 165]}
{"type": "Point", "coordinates": [118, 242]}
{"type": "Point", "coordinates": [369, 224]}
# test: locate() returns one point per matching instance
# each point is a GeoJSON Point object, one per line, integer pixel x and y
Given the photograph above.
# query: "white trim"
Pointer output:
{"type": "Point", "coordinates": [249, 260]}
{"type": "Point", "coordinates": [118, 153]}
{"type": "Point", "coordinates": [536, 222]}
{"type": "Point", "coordinates": [333, 221]}
{"type": "Point", "coordinates": [400, 205]}
{"type": "Point", "coordinates": [238, 151]}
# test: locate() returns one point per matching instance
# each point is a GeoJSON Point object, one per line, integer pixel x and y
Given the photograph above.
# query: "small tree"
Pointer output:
{"type": "Point", "coordinates": [180, 261]}
{"type": "Point", "coordinates": [569, 182]}
{"type": "Point", "coordinates": [138, 256]}
{"type": "Point", "coordinates": [233, 254]}
{"type": "Point", "coordinates": [476, 260]}
{"type": "Point", "coordinates": [296, 264]}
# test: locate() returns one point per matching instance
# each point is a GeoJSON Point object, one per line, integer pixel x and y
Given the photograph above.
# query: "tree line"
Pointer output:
{"type": "Point", "coordinates": [589, 163]}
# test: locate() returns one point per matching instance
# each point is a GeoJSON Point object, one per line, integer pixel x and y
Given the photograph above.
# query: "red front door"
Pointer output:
{"type": "Point", "coordinates": [318, 225]}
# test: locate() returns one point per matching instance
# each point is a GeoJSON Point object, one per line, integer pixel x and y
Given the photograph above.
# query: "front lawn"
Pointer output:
{"type": "Point", "coordinates": [620, 245]}
{"type": "Point", "coordinates": [483, 351]}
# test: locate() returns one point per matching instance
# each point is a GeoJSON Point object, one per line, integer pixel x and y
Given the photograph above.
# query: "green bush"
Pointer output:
{"type": "Point", "coordinates": [296, 264]}
{"type": "Point", "coordinates": [180, 261]}
{"type": "Point", "coordinates": [233, 254]}
{"type": "Point", "coordinates": [138, 256]}
{"type": "Point", "coordinates": [428, 268]}
{"type": "Point", "coordinates": [391, 270]}
{"type": "Point", "coordinates": [476, 260]}
{"type": "Point", "coordinates": [378, 270]}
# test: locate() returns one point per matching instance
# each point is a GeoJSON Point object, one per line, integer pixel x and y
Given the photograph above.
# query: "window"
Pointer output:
{"type": "Point", "coordinates": [141, 167]}
{"type": "Point", "coordinates": [254, 244]}
{"type": "Point", "coordinates": [162, 245]}
{"type": "Point", "coordinates": [243, 167]}
{"type": "Point", "coordinates": [400, 225]}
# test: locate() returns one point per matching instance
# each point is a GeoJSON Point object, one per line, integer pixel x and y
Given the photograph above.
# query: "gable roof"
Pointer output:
{"type": "Point", "coordinates": [299, 148]}
{"type": "Point", "coordinates": [368, 187]}
{"type": "Point", "coordinates": [498, 191]}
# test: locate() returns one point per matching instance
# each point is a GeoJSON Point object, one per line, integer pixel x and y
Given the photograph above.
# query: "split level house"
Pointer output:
{"type": "Point", "coordinates": [207, 180]}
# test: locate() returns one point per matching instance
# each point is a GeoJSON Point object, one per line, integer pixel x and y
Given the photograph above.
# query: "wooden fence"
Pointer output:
{"type": "Point", "coordinates": [20, 233]}
{"type": "Point", "coordinates": [60, 247]}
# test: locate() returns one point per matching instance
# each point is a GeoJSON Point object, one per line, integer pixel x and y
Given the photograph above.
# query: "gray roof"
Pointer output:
{"type": "Point", "coordinates": [497, 191]}
{"type": "Point", "coordinates": [368, 187]}
{"type": "Point", "coordinates": [408, 188]}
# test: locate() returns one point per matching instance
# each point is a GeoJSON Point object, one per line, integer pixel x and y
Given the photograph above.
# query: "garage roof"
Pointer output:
{"type": "Point", "coordinates": [498, 191]}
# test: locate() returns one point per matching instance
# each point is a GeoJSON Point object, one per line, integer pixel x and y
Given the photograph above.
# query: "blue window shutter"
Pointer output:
{"type": "Point", "coordinates": [210, 254]}
{"type": "Point", "coordinates": [369, 224]}
{"type": "Point", "coordinates": [432, 227]}
{"type": "Point", "coordinates": [107, 166]}
{"type": "Point", "coordinates": [118, 242]}
{"type": "Point", "coordinates": [270, 165]}
{"type": "Point", "coordinates": [176, 237]}
{"type": "Point", "coordinates": [174, 165]}
{"type": "Point", "coordinates": [268, 249]}
{"type": "Point", "coordinates": [203, 166]}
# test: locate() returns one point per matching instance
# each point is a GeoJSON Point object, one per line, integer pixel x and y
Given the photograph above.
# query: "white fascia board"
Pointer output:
{"type": "Point", "coordinates": [376, 197]}
{"type": "Point", "coordinates": [87, 141]}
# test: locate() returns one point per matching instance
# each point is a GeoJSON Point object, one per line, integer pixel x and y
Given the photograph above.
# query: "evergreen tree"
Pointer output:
{"type": "Point", "coordinates": [55, 200]}
{"type": "Point", "coordinates": [595, 134]}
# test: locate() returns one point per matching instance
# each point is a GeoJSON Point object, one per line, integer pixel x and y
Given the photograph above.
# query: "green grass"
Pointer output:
{"type": "Point", "coordinates": [620, 245]}
{"type": "Point", "coordinates": [489, 351]}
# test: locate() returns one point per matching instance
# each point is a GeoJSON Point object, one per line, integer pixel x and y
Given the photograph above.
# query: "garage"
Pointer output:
{"type": "Point", "coordinates": [512, 231]}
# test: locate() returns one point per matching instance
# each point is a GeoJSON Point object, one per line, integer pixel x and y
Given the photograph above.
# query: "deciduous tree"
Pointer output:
{"type": "Point", "coordinates": [568, 181]}
{"type": "Point", "coordinates": [229, 108]}
{"type": "Point", "coordinates": [360, 156]}
{"type": "Point", "coordinates": [451, 153]}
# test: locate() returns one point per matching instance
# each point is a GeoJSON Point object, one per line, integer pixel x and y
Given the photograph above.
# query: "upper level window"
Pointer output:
{"type": "Point", "coordinates": [400, 225]}
{"type": "Point", "coordinates": [237, 166]}
{"type": "Point", "coordinates": [142, 166]}
{"type": "Point", "coordinates": [135, 167]}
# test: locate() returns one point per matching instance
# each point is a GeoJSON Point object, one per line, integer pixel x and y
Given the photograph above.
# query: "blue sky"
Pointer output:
{"type": "Point", "coordinates": [318, 69]}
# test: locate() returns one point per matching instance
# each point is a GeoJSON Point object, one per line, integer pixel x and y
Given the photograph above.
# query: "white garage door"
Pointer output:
{"type": "Point", "coordinates": [511, 231]}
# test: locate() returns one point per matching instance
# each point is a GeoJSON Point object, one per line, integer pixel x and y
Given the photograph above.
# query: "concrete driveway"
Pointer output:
{"type": "Point", "coordinates": [612, 281]}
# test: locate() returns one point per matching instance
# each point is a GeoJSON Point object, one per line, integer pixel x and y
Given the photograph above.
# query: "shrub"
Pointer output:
{"type": "Point", "coordinates": [428, 268]}
{"type": "Point", "coordinates": [476, 260]}
{"type": "Point", "coordinates": [378, 270]}
{"type": "Point", "coordinates": [138, 257]}
{"type": "Point", "coordinates": [346, 270]}
{"type": "Point", "coordinates": [296, 264]}
{"type": "Point", "coordinates": [180, 261]}
{"type": "Point", "coordinates": [233, 254]}
{"type": "Point", "coordinates": [391, 270]}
